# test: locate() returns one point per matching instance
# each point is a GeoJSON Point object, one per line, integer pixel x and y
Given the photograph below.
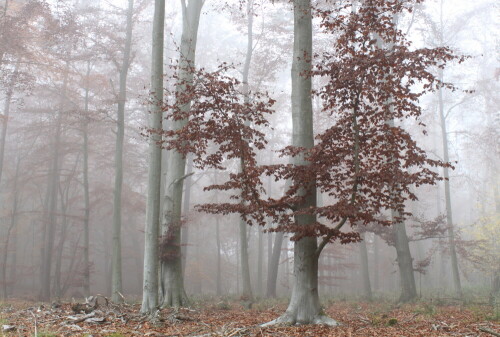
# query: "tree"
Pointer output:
{"type": "Point", "coordinates": [172, 283]}
{"type": "Point", "coordinates": [116, 275]}
{"type": "Point", "coordinates": [363, 163]}
{"type": "Point", "coordinates": [245, 267]}
{"type": "Point", "coordinates": [150, 280]}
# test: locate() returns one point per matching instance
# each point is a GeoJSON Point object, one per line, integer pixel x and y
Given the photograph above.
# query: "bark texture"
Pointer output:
{"type": "Point", "coordinates": [50, 208]}
{"type": "Point", "coordinates": [247, 293]}
{"type": "Point", "coordinates": [405, 262]}
{"type": "Point", "coordinates": [116, 274]}
{"type": "Point", "coordinates": [447, 192]}
{"type": "Point", "coordinates": [151, 263]}
{"type": "Point", "coordinates": [304, 306]}
{"type": "Point", "coordinates": [85, 171]}
{"type": "Point", "coordinates": [172, 282]}
{"type": "Point", "coordinates": [365, 272]}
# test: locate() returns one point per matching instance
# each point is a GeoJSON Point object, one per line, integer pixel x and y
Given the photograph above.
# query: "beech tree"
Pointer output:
{"type": "Point", "coordinates": [363, 163]}
{"type": "Point", "coordinates": [172, 283]}
{"type": "Point", "coordinates": [123, 68]}
{"type": "Point", "coordinates": [150, 280]}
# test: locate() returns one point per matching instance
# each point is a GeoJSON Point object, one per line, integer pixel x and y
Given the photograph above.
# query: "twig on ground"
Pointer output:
{"type": "Point", "coordinates": [36, 328]}
{"type": "Point", "coordinates": [490, 332]}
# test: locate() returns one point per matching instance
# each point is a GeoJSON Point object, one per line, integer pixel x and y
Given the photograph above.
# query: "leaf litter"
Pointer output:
{"type": "Point", "coordinates": [99, 317]}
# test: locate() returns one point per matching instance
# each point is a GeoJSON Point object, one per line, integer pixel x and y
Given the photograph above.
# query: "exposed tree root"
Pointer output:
{"type": "Point", "coordinates": [286, 319]}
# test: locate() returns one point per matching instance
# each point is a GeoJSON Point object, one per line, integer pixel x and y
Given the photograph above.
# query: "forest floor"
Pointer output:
{"type": "Point", "coordinates": [230, 319]}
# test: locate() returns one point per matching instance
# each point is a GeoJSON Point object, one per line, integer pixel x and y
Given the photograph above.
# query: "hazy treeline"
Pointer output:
{"type": "Point", "coordinates": [75, 101]}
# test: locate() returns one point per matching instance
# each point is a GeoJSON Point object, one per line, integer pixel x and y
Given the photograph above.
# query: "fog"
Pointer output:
{"type": "Point", "coordinates": [75, 156]}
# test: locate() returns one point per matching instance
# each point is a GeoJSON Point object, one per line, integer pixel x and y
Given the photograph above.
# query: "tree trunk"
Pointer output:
{"type": "Point", "coordinates": [60, 246]}
{"type": "Point", "coordinates": [245, 266]}
{"type": "Point", "coordinates": [172, 287]}
{"type": "Point", "coordinates": [86, 197]}
{"type": "Point", "coordinates": [246, 293]}
{"type": "Point", "coordinates": [449, 212]}
{"type": "Point", "coordinates": [6, 113]}
{"type": "Point", "coordinates": [12, 224]}
{"type": "Point", "coordinates": [219, 271]}
{"type": "Point", "coordinates": [50, 216]}
{"type": "Point", "coordinates": [405, 262]}
{"type": "Point", "coordinates": [495, 283]}
{"type": "Point", "coordinates": [304, 306]}
{"type": "Point", "coordinates": [376, 262]}
{"type": "Point", "coordinates": [273, 266]}
{"type": "Point", "coordinates": [185, 211]}
{"type": "Point", "coordinates": [64, 199]}
{"type": "Point", "coordinates": [260, 262]}
{"type": "Point", "coordinates": [150, 279]}
{"type": "Point", "coordinates": [116, 274]}
{"type": "Point", "coordinates": [237, 266]}
{"type": "Point", "coordinates": [365, 272]}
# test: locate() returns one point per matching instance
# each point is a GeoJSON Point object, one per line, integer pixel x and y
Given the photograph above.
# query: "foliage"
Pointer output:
{"type": "Point", "coordinates": [366, 162]}
{"type": "Point", "coordinates": [486, 252]}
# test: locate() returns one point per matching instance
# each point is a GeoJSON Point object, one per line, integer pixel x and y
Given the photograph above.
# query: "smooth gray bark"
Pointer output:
{"type": "Point", "coordinates": [304, 306]}
{"type": "Point", "coordinates": [50, 216]}
{"type": "Point", "coordinates": [86, 195]}
{"type": "Point", "coordinates": [6, 114]}
{"type": "Point", "coordinates": [151, 262]}
{"type": "Point", "coordinates": [365, 272]}
{"type": "Point", "coordinates": [260, 262]}
{"type": "Point", "coordinates": [116, 274]}
{"type": "Point", "coordinates": [273, 265]}
{"type": "Point", "coordinates": [185, 211]}
{"type": "Point", "coordinates": [172, 281]}
{"type": "Point", "coordinates": [218, 283]}
{"type": "Point", "coordinates": [63, 198]}
{"type": "Point", "coordinates": [449, 211]}
{"type": "Point", "coordinates": [401, 242]}
{"type": "Point", "coordinates": [247, 293]}
{"type": "Point", "coordinates": [12, 224]}
{"type": "Point", "coordinates": [405, 262]}
{"type": "Point", "coordinates": [376, 263]}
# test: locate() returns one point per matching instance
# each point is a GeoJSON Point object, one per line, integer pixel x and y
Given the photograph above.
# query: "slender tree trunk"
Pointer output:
{"type": "Point", "coordinates": [6, 114]}
{"type": "Point", "coordinates": [365, 272]}
{"type": "Point", "coordinates": [376, 262]}
{"type": "Point", "coordinates": [86, 197]}
{"type": "Point", "coordinates": [60, 246]}
{"type": "Point", "coordinates": [151, 263]}
{"type": "Point", "coordinates": [495, 283]}
{"type": "Point", "coordinates": [272, 270]}
{"type": "Point", "coordinates": [246, 293]}
{"type": "Point", "coordinates": [64, 199]}
{"type": "Point", "coordinates": [116, 275]}
{"type": "Point", "coordinates": [172, 287]}
{"type": "Point", "coordinates": [185, 211]}
{"type": "Point", "coordinates": [219, 271]}
{"type": "Point", "coordinates": [50, 216]}
{"type": "Point", "coordinates": [13, 220]}
{"type": "Point", "coordinates": [304, 304]}
{"type": "Point", "coordinates": [449, 211]}
{"type": "Point", "coordinates": [245, 266]}
{"type": "Point", "coordinates": [260, 262]}
{"type": "Point", "coordinates": [237, 266]}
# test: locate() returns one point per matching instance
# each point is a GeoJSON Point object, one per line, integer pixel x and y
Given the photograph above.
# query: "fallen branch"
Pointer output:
{"type": "Point", "coordinates": [36, 329]}
{"type": "Point", "coordinates": [490, 332]}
